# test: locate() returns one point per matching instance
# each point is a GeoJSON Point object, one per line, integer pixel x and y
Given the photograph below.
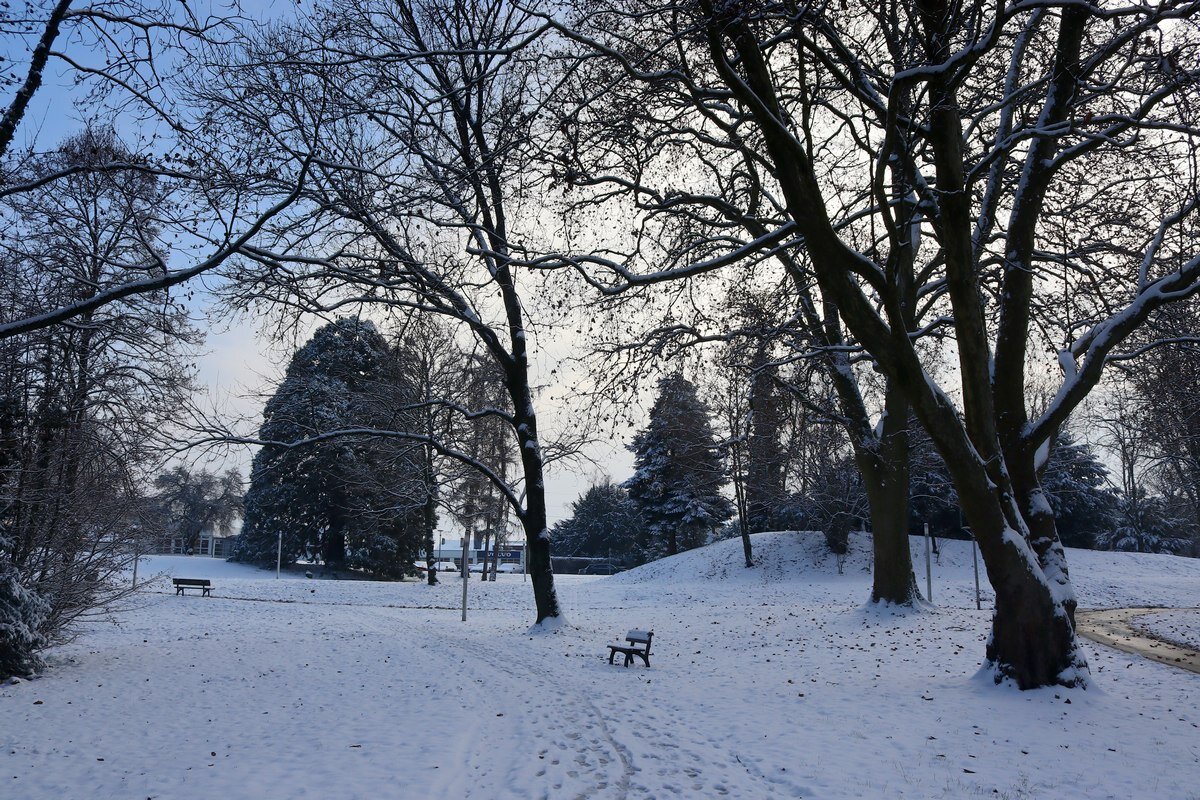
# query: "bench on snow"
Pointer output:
{"type": "Point", "coordinates": [638, 645]}
{"type": "Point", "coordinates": [203, 584]}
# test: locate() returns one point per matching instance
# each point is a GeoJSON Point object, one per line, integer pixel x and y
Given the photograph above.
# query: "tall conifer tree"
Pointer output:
{"type": "Point", "coordinates": [679, 471]}
{"type": "Point", "coordinates": [356, 499]}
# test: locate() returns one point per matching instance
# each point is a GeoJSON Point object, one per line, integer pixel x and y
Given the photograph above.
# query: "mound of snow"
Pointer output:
{"type": "Point", "coordinates": [1101, 579]}
{"type": "Point", "coordinates": [778, 556]}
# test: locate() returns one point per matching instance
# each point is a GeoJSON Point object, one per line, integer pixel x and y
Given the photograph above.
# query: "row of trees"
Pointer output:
{"type": "Point", "coordinates": [791, 469]}
{"type": "Point", "coordinates": [82, 404]}
{"type": "Point", "coordinates": [918, 177]}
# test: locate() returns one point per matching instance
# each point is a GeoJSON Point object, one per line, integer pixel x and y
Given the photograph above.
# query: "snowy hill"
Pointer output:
{"type": "Point", "coordinates": [779, 555]}
{"type": "Point", "coordinates": [1102, 579]}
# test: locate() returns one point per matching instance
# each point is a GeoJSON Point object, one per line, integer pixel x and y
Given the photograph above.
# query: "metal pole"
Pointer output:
{"type": "Point", "coordinates": [279, 556]}
{"type": "Point", "coordinates": [464, 580]}
{"type": "Point", "coordinates": [975, 560]}
{"type": "Point", "coordinates": [928, 568]}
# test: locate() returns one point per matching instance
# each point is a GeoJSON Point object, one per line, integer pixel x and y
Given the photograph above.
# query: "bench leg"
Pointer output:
{"type": "Point", "coordinates": [611, 655]}
{"type": "Point", "coordinates": [206, 592]}
{"type": "Point", "coordinates": [178, 590]}
{"type": "Point", "coordinates": [628, 659]}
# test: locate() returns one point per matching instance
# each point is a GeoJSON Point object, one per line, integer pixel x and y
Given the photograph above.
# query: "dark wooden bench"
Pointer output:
{"type": "Point", "coordinates": [203, 584]}
{"type": "Point", "coordinates": [638, 645]}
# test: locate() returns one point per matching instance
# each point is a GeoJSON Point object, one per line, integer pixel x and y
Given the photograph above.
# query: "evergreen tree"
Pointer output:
{"type": "Point", "coordinates": [679, 471]}
{"type": "Point", "coordinates": [1076, 483]}
{"type": "Point", "coordinates": [1146, 524]}
{"type": "Point", "coordinates": [357, 500]}
{"type": "Point", "coordinates": [1074, 479]}
{"type": "Point", "coordinates": [22, 616]}
{"type": "Point", "coordinates": [603, 523]}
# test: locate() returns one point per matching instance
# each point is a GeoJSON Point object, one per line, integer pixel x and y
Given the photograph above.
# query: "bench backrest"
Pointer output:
{"type": "Point", "coordinates": [640, 637]}
{"type": "Point", "coordinates": [191, 581]}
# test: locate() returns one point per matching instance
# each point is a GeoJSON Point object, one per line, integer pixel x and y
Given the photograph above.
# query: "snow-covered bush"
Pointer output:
{"type": "Point", "coordinates": [22, 614]}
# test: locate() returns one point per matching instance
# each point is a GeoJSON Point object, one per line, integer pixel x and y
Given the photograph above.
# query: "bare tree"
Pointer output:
{"type": "Point", "coordinates": [127, 59]}
{"type": "Point", "coordinates": [623, 145]}
{"type": "Point", "coordinates": [1164, 379]}
{"type": "Point", "coordinates": [418, 119]}
{"type": "Point", "coordinates": [917, 155]}
{"type": "Point", "coordinates": [83, 406]}
{"type": "Point", "coordinates": [189, 502]}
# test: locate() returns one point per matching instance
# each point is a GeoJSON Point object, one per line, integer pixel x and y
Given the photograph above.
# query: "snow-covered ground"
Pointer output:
{"type": "Point", "coordinates": [770, 682]}
{"type": "Point", "coordinates": [1179, 626]}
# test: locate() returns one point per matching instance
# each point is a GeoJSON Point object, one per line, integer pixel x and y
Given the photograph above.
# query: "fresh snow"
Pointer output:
{"type": "Point", "coordinates": [1179, 626]}
{"type": "Point", "coordinates": [769, 682]}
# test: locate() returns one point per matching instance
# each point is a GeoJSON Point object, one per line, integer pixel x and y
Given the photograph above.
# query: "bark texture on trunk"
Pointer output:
{"type": "Point", "coordinates": [1033, 636]}
{"type": "Point", "coordinates": [534, 517]}
{"type": "Point", "coordinates": [885, 473]}
{"type": "Point", "coordinates": [893, 580]}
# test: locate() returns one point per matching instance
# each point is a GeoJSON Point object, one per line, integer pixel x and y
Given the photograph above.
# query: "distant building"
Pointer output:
{"type": "Point", "coordinates": [209, 544]}
{"type": "Point", "coordinates": [451, 550]}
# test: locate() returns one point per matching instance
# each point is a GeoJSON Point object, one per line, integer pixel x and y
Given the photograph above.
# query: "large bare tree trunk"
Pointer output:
{"type": "Point", "coordinates": [886, 479]}
{"type": "Point", "coordinates": [1033, 636]}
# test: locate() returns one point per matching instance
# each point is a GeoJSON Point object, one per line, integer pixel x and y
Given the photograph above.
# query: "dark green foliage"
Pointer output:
{"type": "Point", "coordinates": [1147, 524]}
{"type": "Point", "coordinates": [355, 499]}
{"type": "Point", "coordinates": [604, 523]}
{"type": "Point", "coordinates": [1076, 483]}
{"type": "Point", "coordinates": [22, 615]}
{"type": "Point", "coordinates": [679, 471]}
{"type": "Point", "coordinates": [1074, 480]}
{"type": "Point", "coordinates": [932, 497]}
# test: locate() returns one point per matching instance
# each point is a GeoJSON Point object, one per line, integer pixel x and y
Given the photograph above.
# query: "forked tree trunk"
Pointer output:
{"type": "Point", "coordinates": [1043, 532]}
{"type": "Point", "coordinates": [1033, 638]}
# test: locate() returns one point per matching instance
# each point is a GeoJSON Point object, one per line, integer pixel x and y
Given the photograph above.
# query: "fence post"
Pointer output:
{"type": "Point", "coordinates": [928, 568]}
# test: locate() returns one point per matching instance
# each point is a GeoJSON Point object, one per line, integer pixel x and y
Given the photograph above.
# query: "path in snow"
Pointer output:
{"type": "Point", "coordinates": [1180, 626]}
{"type": "Point", "coordinates": [1121, 628]}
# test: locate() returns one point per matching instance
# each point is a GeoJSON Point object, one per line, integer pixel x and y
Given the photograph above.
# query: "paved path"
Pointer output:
{"type": "Point", "coordinates": [1111, 626]}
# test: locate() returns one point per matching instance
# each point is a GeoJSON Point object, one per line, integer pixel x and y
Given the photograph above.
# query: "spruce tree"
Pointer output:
{"type": "Point", "coordinates": [679, 471]}
{"type": "Point", "coordinates": [22, 616]}
{"type": "Point", "coordinates": [1076, 483]}
{"type": "Point", "coordinates": [603, 523]}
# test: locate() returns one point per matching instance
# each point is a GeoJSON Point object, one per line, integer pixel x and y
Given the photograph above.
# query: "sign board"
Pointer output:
{"type": "Point", "coordinates": [504, 555]}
